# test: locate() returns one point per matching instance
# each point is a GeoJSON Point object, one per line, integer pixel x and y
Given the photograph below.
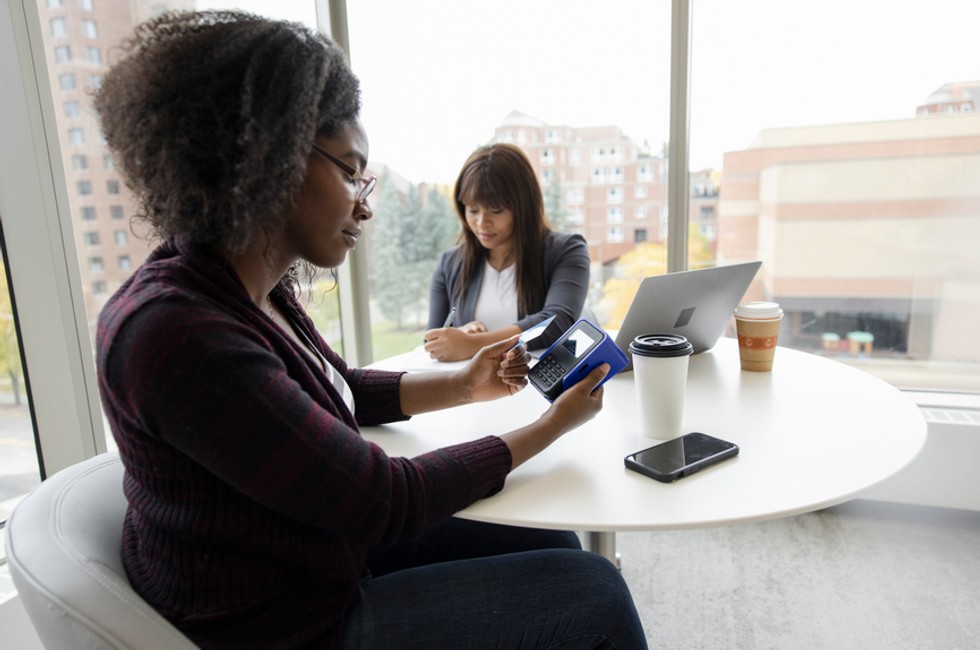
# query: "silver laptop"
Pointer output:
{"type": "Point", "coordinates": [695, 304]}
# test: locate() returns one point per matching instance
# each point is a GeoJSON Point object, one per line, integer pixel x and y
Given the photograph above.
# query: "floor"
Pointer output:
{"type": "Point", "coordinates": [865, 574]}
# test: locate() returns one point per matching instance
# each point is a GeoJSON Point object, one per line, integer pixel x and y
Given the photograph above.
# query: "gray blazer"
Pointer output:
{"type": "Point", "coordinates": [566, 271]}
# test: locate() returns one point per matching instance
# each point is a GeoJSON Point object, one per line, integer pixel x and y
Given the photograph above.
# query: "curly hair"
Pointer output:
{"type": "Point", "coordinates": [211, 116]}
{"type": "Point", "coordinates": [501, 176]}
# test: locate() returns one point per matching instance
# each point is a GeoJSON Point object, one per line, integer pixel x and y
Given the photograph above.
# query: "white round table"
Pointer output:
{"type": "Point", "coordinates": [813, 433]}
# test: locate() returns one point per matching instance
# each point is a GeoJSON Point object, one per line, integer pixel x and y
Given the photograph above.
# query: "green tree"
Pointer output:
{"type": "Point", "coordinates": [388, 245]}
{"type": "Point", "coordinates": [408, 238]}
{"type": "Point", "coordinates": [10, 364]}
{"type": "Point", "coordinates": [435, 231]}
{"type": "Point", "coordinates": [552, 206]}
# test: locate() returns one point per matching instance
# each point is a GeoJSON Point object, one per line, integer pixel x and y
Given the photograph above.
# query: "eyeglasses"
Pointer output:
{"type": "Point", "coordinates": [367, 184]}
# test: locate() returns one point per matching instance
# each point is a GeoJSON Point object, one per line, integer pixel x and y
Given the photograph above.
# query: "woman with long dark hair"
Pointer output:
{"type": "Point", "coordinates": [510, 269]}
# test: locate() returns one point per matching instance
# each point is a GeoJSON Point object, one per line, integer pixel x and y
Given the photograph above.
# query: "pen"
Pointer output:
{"type": "Point", "coordinates": [449, 318]}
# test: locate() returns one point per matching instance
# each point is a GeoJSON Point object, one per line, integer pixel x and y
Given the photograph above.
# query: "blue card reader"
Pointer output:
{"type": "Point", "coordinates": [579, 351]}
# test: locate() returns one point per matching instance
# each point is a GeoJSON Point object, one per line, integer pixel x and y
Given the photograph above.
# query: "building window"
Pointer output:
{"type": "Point", "coordinates": [640, 212]}
{"type": "Point", "coordinates": [598, 175]}
{"type": "Point", "coordinates": [59, 27]}
{"type": "Point", "coordinates": [72, 109]}
{"type": "Point", "coordinates": [616, 175]}
{"type": "Point", "coordinates": [76, 135]}
{"type": "Point", "coordinates": [574, 196]}
{"type": "Point", "coordinates": [89, 29]}
{"type": "Point", "coordinates": [85, 5]}
{"type": "Point", "coordinates": [99, 288]}
{"type": "Point", "coordinates": [84, 187]}
{"type": "Point", "coordinates": [62, 54]}
{"type": "Point", "coordinates": [88, 213]}
{"type": "Point", "coordinates": [54, 4]}
{"type": "Point", "coordinates": [614, 195]}
{"type": "Point", "coordinates": [640, 191]}
{"type": "Point", "coordinates": [66, 81]}
{"type": "Point", "coordinates": [552, 136]}
{"type": "Point", "coordinates": [574, 156]}
{"type": "Point", "coordinates": [548, 157]}
{"type": "Point", "coordinates": [614, 235]}
{"type": "Point", "coordinates": [92, 239]}
{"type": "Point", "coordinates": [79, 161]}
{"type": "Point", "coordinates": [640, 235]}
{"type": "Point", "coordinates": [95, 81]}
{"type": "Point", "coordinates": [644, 173]}
{"type": "Point", "coordinates": [614, 214]}
{"type": "Point", "coordinates": [93, 54]}
{"type": "Point", "coordinates": [122, 237]}
{"type": "Point", "coordinates": [112, 187]}
{"type": "Point", "coordinates": [108, 162]}
{"type": "Point", "coordinates": [116, 212]}
{"type": "Point", "coordinates": [547, 177]}
{"type": "Point", "coordinates": [125, 263]}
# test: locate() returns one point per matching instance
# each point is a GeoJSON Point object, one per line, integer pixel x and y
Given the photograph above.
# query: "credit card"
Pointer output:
{"type": "Point", "coordinates": [533, 332]}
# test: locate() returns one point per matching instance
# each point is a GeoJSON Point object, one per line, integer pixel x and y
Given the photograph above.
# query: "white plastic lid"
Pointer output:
{"type": "Point", "coordinates": [759, 310]}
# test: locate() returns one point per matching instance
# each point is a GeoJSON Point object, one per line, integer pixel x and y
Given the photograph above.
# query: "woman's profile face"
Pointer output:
{"type": "Point", "coordinates": [493, 227]}
{"type": "Point", "coordinates": [326, 221]}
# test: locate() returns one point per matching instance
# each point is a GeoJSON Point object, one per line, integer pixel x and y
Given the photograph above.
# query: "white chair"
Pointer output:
{"type": "Point", "coordinates": [63, 551]}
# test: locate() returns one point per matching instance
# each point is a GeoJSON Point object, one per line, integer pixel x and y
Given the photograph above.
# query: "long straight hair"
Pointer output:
{"type": "Point", "coordinates": [499, 176]}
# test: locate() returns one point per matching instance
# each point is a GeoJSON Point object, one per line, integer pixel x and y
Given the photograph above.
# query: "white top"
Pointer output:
{"type": "Point", "coordinates": [758, 310]}
{"type": "Point", "coordinates": [813, 433]}
{"type": "Point", "coordinates": [496, 306]}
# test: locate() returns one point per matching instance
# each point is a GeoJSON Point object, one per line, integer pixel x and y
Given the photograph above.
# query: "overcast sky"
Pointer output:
{"type": "Point", "coordinates": [439, 75]}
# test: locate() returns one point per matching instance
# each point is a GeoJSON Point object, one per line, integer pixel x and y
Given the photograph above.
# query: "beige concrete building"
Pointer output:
{"type": "Point", "coordinates": [871, 227]}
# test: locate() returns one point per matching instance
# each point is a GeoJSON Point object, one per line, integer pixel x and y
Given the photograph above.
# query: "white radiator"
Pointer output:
{"type": "Point", "coordinates": [946, 473]}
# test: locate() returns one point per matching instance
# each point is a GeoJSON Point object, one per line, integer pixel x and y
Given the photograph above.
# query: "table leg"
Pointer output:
{"type": "Point", "coordinates": [604, 543]}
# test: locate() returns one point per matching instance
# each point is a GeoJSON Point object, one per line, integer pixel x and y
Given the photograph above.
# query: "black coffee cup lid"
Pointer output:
{"type": "Point", "coordinates": [661, 345]}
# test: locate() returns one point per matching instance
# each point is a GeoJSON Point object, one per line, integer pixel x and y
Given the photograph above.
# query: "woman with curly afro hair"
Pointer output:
{"type": "Point", "coordinates": [258, 516]}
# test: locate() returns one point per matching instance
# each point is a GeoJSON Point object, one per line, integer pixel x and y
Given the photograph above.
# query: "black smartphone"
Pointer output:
{"type": "Point", "coordinates": [683, 456]}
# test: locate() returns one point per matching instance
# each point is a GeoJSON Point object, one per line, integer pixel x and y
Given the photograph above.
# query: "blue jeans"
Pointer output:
{"type": "Point", "coordinates": [468, 585]}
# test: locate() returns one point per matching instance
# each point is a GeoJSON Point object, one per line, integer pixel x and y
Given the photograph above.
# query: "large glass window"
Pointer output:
{"type": "Point", "coordinates": [846, 157]}
{"type": "Point", "coordinates": [530, 73]}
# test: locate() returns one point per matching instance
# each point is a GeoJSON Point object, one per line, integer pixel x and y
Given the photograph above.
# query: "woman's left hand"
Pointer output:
{"type": "Point", "coordinates": [497, 370]}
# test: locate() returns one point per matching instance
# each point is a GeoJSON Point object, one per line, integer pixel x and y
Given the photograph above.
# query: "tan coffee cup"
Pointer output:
{"type": "Point", "coordinates": [757, 325]}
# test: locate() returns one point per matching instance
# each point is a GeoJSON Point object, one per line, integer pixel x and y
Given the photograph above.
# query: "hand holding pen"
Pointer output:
{"type": "Point", "coordinates": [447, 323]}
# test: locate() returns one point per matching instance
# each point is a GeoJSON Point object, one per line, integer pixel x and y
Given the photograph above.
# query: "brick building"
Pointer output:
{"type": "Point", "coordinates": [79, 40]}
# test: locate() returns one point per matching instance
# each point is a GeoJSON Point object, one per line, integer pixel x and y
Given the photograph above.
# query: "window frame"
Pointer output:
{"type": "Point", "coordinates": [37, 227]}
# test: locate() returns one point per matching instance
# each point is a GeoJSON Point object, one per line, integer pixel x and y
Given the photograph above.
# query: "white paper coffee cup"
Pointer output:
{"type": "Point", "coordinates": [660, 363]}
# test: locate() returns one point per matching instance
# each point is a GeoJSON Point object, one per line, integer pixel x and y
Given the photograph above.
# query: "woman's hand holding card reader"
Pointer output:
{"type": "Point", "coordinates": [579, 351]}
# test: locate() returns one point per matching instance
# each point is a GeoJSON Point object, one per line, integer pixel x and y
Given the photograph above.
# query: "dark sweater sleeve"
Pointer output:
{"type": "Point", "coordinates": [183, 377]}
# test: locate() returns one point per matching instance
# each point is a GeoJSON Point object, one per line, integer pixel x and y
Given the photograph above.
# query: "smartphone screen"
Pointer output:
{"type": "Point", "coordinates": [683, 456]}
